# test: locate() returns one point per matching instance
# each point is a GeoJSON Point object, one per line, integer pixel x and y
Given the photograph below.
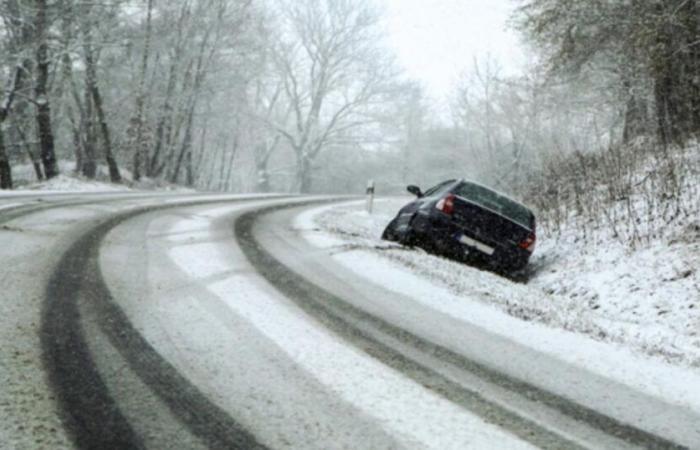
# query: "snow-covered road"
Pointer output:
{"type": "Point", "coordinates": [192, 321]}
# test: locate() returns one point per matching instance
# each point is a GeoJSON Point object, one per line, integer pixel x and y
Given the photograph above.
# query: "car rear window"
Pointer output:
{"type": "Point", "coordinates": [439, 187]}
{"type": "Point", "coordinates": [496, 202]}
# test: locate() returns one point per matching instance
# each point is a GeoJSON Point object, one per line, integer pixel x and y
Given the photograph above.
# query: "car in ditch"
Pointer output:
{"type": "Point", "coordinates": [469, 222]}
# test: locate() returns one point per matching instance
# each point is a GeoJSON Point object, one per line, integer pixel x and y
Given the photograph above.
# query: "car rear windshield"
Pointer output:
{"type": "Point", "coordinates": [496, 202]}
{"type": "Point", "coordinates": [439, 187]}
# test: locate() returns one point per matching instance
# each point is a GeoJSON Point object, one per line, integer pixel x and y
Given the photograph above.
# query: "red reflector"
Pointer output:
{"type": "Point", "coordinates": [529, 243]}
{"type": "Point", "coordinates": [447, 204]}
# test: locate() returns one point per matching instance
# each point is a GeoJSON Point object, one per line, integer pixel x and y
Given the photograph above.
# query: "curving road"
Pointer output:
{"type": "Point", "coordinates": [205, 321]}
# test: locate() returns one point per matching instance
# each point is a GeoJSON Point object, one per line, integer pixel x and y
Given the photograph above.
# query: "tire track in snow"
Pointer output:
{"type": "Point", "coordinates": [90, 414]}
{"type": "Point", "coordinates": [40, 204]}
{"type": "Point", "coordinates": [19, 211]}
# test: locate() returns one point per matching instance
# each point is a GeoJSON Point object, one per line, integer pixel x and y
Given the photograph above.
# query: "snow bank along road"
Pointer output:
{"type": "Point", "coordinates": [162, 321]}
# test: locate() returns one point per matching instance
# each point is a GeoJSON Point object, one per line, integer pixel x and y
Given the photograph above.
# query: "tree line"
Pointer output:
{"type": "Point", "coordinates": [646, 50]}
{"type": "Point", "coordinates": [198, 92]}
{"type": "Point", "coordinates": [602, 127]}
{"type": "Point", "coordinates": [303, 95]}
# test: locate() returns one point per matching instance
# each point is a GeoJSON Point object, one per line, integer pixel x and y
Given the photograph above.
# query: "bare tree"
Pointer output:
{"type": "Point", "coordinates": [5, 168]}
{"type": "Point", "coordinates": [194, 42]}
{"type": "Point", "coordinates": [334, 73]}
{"type": "Point", "coordinates": [214, 89]}
{"type": "Point", "coordinates": [43, 102]}
{"type": "Point", "coordinates": [95, 95]}
{"type": "Point", "coordinates": [19, 23]}
{"type": "Point", "coordinates": [268, 109]}
{"type": "Point", "coordinates": [137, 122]}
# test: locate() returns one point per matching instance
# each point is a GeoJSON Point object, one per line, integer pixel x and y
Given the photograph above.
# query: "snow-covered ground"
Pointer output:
{"type": "Point", "coordinates": [646, 301]}
{"type": "Point", "coordinates": [68, 181]}
{"type": "Point", "coordinates": [71, 183]}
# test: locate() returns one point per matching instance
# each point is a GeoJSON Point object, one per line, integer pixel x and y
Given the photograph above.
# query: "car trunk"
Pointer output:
{"type": "Point", "coordinates": [486, 225]}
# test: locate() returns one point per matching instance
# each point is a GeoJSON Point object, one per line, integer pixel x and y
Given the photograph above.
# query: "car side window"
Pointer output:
{"type": "Point", "coordinates": [435, 189]}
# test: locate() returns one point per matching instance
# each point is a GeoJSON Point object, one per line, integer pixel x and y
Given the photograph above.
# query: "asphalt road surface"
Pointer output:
{"type": "Point", "coordinates": [207, 321]}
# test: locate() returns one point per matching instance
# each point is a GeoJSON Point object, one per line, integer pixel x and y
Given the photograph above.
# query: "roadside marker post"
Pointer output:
{"type": "Point", "coordinates": [370, 196]}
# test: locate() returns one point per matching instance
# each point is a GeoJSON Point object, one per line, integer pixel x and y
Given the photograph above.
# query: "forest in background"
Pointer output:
{"type": "Point", "coordinates": [304, 96]}
{"type": "Point", "coordinates": [228, 95]}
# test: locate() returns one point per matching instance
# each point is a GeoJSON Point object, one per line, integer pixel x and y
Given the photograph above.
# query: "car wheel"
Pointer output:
{"type": "Point", "coordinates": [517, 272]}
{"type": "Point", "coordinates": [409, 237]}
{"type": "Point", "coordinates": [389, 233]}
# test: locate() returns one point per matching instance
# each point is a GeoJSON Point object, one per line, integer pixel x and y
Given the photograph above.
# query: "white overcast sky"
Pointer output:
{"type": "Point", "coordinates": [436, 40]}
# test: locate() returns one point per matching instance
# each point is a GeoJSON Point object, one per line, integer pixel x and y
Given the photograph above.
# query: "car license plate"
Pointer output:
{"type": "Point", "coordinates": [469, 242]}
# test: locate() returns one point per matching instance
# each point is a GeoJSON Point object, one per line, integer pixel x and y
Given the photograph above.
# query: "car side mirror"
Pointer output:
{"type": "Point", "coordinates": [415, 190]}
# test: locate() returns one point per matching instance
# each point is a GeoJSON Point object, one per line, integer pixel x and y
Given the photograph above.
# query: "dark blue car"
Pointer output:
{"type": "Point", "coordinates": [468, 222]}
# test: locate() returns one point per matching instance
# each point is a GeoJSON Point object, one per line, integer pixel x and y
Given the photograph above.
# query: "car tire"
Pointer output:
{"type": "Point", "coordinates": [517, 271]}
{"type": "Point", "coordinates": [389, 233]}
{"type": "Point", "coordinates": [410, 237]}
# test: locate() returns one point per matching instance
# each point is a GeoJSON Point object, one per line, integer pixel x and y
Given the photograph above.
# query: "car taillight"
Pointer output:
{"type": "Point", "coordinates": [529, 243]}
{"type": "Point", "coordinates": [446, 204]}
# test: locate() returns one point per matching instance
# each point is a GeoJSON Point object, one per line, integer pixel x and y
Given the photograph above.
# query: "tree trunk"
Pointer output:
{"type": "Point", "coordinates": [91, 81]}
{"type": "Point", "coordinates": [43, 117]}
{"type": "Point", "coordinates": [303, 180]}
{"type": "Point", "coordinates": [229, 165]}
{"type": "Point", "coordinates": [219, 168]}
{"type": "Point", "coordinates": [665, 111]}
{"type": "Point", "coordinates": [81, 131]}
{"type": "Point", "coordinates": [202, 155]}
{"type": "Point", "coordinates": [189, 177]}
{"type": "Point", "coordinates": [36, 162]}
{"type": "Point", "coordinates": [185, 148]}
{"type": "Point", "coordinates": [154, 167]}
{"type": "Point", "coordinates": [635, 122]}
{"type": "Point", "coordinates": [139, 150]}
{"type": "Point", "coordinates": [163, 128]}
{"type": "Point", "coordinates": [89, 144]}
{"type": "Point", "coordinates": [197, 79]}
{"type": "Point", "coordinates": [5, 169]}
{"type": "Point", "coordinates": [77, 144]}
{"type": "Point", "coordinates": [23, 115]}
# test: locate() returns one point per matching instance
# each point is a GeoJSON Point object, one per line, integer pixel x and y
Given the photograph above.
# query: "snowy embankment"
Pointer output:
{"type": "Point", "coordinates": [634, 317]}
{"type": "Point", "coordinates": [25, 181]}
{"type": "Point", "coordinates": [69, 181]}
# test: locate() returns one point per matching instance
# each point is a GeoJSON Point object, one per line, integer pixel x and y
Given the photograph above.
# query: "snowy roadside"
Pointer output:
{"type": "Point", "coordinates": [632, 317]}
{"type": "Point", "coordinates": [70, 182]}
